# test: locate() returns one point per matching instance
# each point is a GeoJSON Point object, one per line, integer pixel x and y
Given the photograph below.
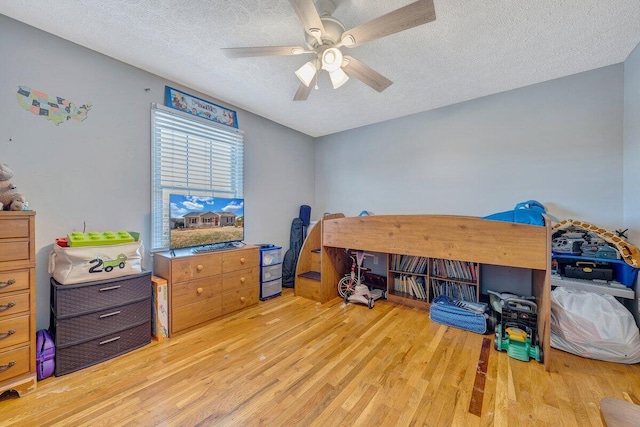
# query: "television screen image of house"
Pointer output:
{"type": "Point", "coordinates": [197, 221]}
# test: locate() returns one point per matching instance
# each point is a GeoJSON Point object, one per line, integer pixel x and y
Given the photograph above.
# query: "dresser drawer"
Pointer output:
{"type": "Point", "coordinates": [14, 280]}
{"type": "Point", "coordinates": [240, 259]}
{"type": "Point", "coordinates": [73, 300]}
{"type": "Point", "coordinates": [75, 357]}
{"type": "Point", "coordinates": [13, 304]}
{"type": "Point", "coordinates": [190, 292]}
{"type": "Point", "coordinates": [239, 299]}
{"type": "Point", "coordinates": [14, 363]}
{"type": "Point", "coordinates": [14, 250]}
{"type": "Point", "coordinates": [14, 331]}
{"type": "Point", "coordinates": [196, 267]}
{"type": "Point", "coordinates": [11, 228]}
{"type": "Point", "coordinates": [200, 311]}
{"type": "Point", "coordinates": [88, 326]}
{"type": "Point", "coordinates": [242, 279]}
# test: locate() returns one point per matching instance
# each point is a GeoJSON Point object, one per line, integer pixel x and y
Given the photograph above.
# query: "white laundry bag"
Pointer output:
{"type": "Point", "coordinates": [70, 265]}
{"type": "Point", "coordinates": [593, 326]}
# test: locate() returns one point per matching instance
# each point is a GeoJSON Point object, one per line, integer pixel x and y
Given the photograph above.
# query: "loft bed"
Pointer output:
{"type": "Point", "coordinates": [462, 238]}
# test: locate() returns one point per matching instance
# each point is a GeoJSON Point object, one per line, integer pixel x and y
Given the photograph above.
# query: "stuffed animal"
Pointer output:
{"type": "Point", "coordinates": [10, 198]}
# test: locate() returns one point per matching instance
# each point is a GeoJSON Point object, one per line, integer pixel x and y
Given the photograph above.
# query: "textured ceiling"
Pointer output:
{"type": "Point", "coordinates": [472, 49]}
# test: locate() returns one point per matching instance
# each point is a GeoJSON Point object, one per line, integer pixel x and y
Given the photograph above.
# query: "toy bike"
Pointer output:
{"type": "Point", "coordinates": [352, 288]}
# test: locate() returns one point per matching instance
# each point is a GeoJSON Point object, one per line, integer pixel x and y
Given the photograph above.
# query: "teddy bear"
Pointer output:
{"type": "Point", "coordinates": [10, 198]}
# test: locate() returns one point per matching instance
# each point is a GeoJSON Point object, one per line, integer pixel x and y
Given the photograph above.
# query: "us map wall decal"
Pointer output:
{"type": "Point", "coordinates": [53, 108]}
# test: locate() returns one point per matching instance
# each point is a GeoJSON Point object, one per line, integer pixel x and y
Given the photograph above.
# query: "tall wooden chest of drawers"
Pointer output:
{"type": "Point", "coordinates": [208, 285]}
{"type": "Point", "coordinates": [95, 321]}
{"type": "Point", "coordinates": [17, 302]}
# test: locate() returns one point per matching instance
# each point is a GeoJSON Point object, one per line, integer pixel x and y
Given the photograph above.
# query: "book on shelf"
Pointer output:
{"type": "Point", "coordinates": [409, 263]}
{"type": "Point", "coordinates": [454, 269]}
{"type": "Point", "coordinates": [412, 285]}
{"type": "Point", "coordinates": [456, 290]}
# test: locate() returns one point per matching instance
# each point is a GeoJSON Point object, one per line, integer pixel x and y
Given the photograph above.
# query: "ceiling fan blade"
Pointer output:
{"type": "Point", "coordinates": [303, 92]}
{"type": "Point", "coordinates": [366, 74]}
{"type": "Point", "coordinates": [412, 15]}
{"type": "Point", "coordinates": [245, 52]}
{"type": "Point", "coordinates": [308, 15]}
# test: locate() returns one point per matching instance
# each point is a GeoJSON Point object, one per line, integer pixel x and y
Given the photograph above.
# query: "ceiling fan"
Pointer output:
{"type": "Point", "coordinates": [325, 35]}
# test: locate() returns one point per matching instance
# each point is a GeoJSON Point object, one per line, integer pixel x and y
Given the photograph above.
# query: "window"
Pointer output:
{"type": "Point", "coordinates": [190, 156]}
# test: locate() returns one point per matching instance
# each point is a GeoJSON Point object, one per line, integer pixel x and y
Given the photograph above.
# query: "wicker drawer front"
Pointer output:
{"type": "Point", "coordinates": [11, 281]}
{"type": "Point", "coordinates": [14, 228]}
{"type": "Point", "coordinates": [193, 314]}
{"type": "Point", "coordinates": [240, 259]}
{"type": "Point", "coordinates": [14, 304]}
{"type": "Point", "coordinates": [14, 363]}
{"type": "Point", "coordinates": [88, 326]}
{"type": "Point", "coordinates": [75, 357]}
{"type": "Point", "coordinates": [196, 290]}
{"type": "Point", "coordinates": [196, 267]}
{"type": "Point", "coordinates": [241, 280]}
{"type": "Point", "coordinates": [236, 300]}
{"type": "Point", "coordinates": [14, 331]}
{"type": "Point", "coordinates": [72, 300]}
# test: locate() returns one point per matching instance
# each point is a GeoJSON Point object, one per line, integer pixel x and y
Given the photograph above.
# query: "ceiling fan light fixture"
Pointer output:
{"type": "Point", "coordinates": [338, 78]}
{"type": "Point", "coordinates": [331, 59]}
{"type": "Point", "coordinates": [306, 73]}
{"type": "Point", "coordinates": [348, 41]}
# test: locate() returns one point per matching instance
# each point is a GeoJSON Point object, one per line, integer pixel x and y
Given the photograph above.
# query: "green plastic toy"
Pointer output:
{"type": "Point", "coordinates": [517, 331]}
{"type": "Point", "coordinates": [94, 238]}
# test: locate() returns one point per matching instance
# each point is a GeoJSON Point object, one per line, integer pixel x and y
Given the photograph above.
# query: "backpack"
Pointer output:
{"type": "Point", "coordinates": [45, 354]}
{"type": "Point", "coordinates": [529, 212]}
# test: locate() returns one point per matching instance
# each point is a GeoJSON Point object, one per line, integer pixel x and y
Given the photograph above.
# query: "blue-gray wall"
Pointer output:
{"type": "Point", "coordinates": [558, 142]}
{"type": "Point", "coordinates": [632, 154]}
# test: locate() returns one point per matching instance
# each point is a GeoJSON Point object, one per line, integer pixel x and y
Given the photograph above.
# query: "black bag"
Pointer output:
{"type": "Point", "coordinates": [291, 256]}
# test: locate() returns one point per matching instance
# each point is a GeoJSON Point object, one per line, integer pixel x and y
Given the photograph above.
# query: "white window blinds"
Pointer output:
{"type": "Point", "coordinates": [190, 156]}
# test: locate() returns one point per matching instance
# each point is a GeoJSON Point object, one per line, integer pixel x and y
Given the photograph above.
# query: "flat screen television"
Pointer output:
{"type": "Point", "coordinates": [213, 222]}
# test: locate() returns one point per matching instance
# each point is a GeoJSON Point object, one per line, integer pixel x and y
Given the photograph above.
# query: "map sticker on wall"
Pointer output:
{"type": "Point", "coordinates": [53, 108]}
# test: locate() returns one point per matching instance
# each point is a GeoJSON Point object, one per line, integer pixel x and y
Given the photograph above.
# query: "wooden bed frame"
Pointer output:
{"type": "Point", "coordinates": [451, 237]}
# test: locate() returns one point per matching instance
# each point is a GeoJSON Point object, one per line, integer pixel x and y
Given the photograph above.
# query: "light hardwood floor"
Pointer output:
{"type": "Point", "coordinates": [291, 361]}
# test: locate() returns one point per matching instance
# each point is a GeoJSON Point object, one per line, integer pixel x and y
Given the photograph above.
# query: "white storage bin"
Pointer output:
{"type": "Point", "coordinates": [271, 289]}
{"type": "Point", "coordinates": [271, 256]}
{"type": "Point", "coordinates": [271, 272]}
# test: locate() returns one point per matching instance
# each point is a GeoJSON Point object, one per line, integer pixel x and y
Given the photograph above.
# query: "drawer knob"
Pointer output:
{"type": "Point", "coordinates": [242, 260]}
{"type": "Point", "coordinates": [6, 307]}
{"type": "Point", "coordinates": [199, 267]}
{"type": "Point", "coordinates": [242, 280]}
{"type": "Point", "coordinates": [242, 299]}
{"type": "Point", "coordinates": [7, 283]}
{"type": "Point", "coordinates": [199, 291]}
{"type": "Point", "coordinates": [7, 334]}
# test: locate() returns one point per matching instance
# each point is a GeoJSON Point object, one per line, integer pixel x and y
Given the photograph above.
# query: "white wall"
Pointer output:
{"type": "Point", "coordinates": [97, 172]}
{"type": "Point", "coordinates": [632, 145]}
{"type": "Point", "coordinates": [558, 142]}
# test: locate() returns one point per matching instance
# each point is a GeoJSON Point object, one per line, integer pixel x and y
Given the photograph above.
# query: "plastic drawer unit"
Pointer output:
{"type": "Point", "coordinates": [270, 271]}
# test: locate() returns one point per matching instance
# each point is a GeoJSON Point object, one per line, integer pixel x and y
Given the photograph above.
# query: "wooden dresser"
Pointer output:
{"type": "Point", "coordinates": [208, 285]}
{"type": "Point", "coordinates": [17, 302]}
